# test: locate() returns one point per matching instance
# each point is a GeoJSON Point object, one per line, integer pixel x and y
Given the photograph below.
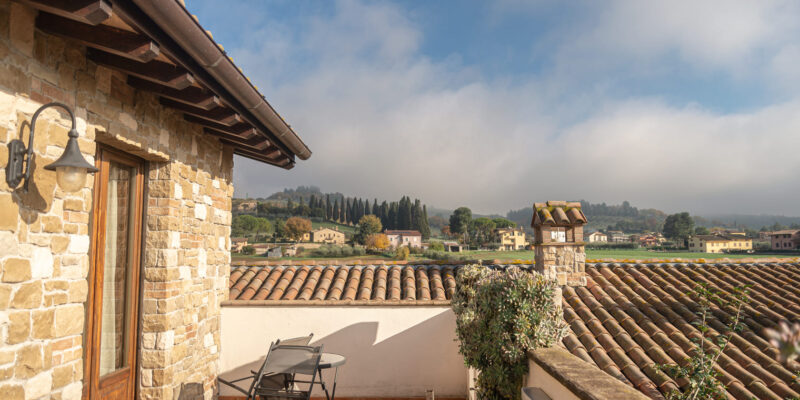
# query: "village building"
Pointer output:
{"type": "Point", "coordinates": [785, 240]}
{"type": "Point", "coordinates": [646, 239]}
{"type": "Point", "coordinates": [246, 206]}
{"type": "Point", "coordinates": [597, 237]}
{"type": "Point", "coordinates": [110, 284]}
{"type": "Point", "coordinates": [510, 239]}
{"type": "Point", "coordinates": [325, 235]}
{"type": "Point", "coordinates": [453, 246]}
{"type": "Point", "coordinates": [719, 243]}
{"type": "Point", "coordinates": [617, 237]}
{"type": "Point", "coordinates": [237, 243]}
{"type": "Point", "coordinates": [398, 238]}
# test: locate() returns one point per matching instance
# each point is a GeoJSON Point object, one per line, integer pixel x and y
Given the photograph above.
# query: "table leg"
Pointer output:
{"type": "Point", "coordinates": [322, 382]}
{"type": "Point", "coordinates": [335, 375]}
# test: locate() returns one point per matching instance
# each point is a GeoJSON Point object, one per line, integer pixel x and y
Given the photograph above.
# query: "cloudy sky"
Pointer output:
{"type": "Point", "coordinates": [680, 105]}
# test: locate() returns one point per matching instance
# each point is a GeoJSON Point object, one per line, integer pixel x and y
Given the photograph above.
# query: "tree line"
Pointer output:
{"type": "Point", "coordinates": [404, 214]}
{"type": "Point", "coordinates": [475, 231]}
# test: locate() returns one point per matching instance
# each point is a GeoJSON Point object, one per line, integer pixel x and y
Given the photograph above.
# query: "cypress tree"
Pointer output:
{"type": "Point", "coordinates": [328, 208]}
{"type": "Point", "coordinates": [422, 221]}
{"type": "Point", "coordinates": [404, 214]}
{"type": "Point", "coordinates": [367, 207]}
{"type": "Point", "coordinates": [392, 216]}
{"type": "Point", "coordinates": [346, 211]}
{"type": "Point", "coordinates": [337, 211]}
{"type": "Point", "coordinates": [384, 215]}
{"type": "Point", "coordinates": [375, 209]}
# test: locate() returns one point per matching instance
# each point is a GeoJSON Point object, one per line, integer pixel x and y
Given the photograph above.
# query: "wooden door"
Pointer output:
{"type": "Point", "coordinates": [113, 309]}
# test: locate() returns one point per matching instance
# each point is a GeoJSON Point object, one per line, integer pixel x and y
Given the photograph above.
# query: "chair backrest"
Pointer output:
{"type": "Point", "coordinates": [298, 341]}
{"type": "Point", "coordinates": [289, 359]}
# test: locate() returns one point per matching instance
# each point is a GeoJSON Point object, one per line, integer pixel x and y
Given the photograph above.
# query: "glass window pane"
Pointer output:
{"type": "Point", "coordinates": [116, 269]}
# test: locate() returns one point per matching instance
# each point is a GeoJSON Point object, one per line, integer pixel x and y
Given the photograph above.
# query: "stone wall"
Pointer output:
{"type": "Point", "coordinates": [44, 234]}
{"type": "Point", "coordinates": [564, 262]}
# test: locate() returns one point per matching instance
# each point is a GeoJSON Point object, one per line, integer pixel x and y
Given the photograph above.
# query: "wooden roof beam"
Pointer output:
{"type": "Point", "coordinates": [157, 71]}
{"type": "Point", "coordinates": [192, 95]}
{"type": "Point", "coordinates": [283, 161]}
{"type": "Point", "coordinates": [90, 12]}
{"type": "Point", "coordinates": [241, 129]}
{"type": "Point", "coordinates": [107, 38]}
{"type": "Point", "coordinates": [256, 142]}
{"type": "Point", "coordinates": [222, 115]}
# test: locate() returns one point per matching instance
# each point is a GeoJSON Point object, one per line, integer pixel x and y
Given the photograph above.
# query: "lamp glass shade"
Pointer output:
{"type": "Point", "coordinates": [71, 179]}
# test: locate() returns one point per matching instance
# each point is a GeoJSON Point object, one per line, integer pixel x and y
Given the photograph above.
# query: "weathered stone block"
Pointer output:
{"type": "Point", "coordinates": [16, 270]}
{"type": "Point", "coordinates": [9, 211]}
{"type": "Point", "coordinates": [43, 324]}
{"type": "Point", "coordinates": [12, 392]}
{"type": "Point", "coordinates": [28, 296]}
{"type": "Point", "coordinates": [38, 386]}
{"type": "Point", "coordinates": [69, 320]}
{"type": "Point", "coordinates": [29, 361]}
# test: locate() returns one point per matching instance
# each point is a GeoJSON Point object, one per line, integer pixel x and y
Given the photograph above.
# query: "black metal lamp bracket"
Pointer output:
{"type": "Point", "coordinates": [17, 159]}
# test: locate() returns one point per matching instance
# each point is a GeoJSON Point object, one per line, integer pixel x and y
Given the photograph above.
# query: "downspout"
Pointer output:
{"type": "Point", "coordinates": [175, 20]}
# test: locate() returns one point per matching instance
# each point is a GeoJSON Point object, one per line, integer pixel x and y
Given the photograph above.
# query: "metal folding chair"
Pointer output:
{"type": "Point", "coordinates": [266, 380]}
{"type": "Point", "coordinates": [289, 360]}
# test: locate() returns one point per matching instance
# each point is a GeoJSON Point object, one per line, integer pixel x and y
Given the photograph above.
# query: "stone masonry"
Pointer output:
{"type": "Point", "coordinates": [45, 238]}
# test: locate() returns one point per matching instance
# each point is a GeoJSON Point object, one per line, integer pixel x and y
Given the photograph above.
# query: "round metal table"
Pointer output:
{"type": "Point", "coordinates": [327, 361]}
{"type": "Point", "coordinates": [331, 360]}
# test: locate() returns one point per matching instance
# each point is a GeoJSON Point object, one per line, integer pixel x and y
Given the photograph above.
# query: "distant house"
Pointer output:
{"type": "Point", "coordinates": [785, 240]}
{"type": "Point", "coordinates": [719, 243]}
{"type": "Point", "coordinates": [511, 238]}
{"type": "Point", "coordinates": [275, 252]}
{"type": "Point", "coordinates": [237, 243]}
{"type": "Point", "coordinates": [247, 206]}
{"type": "Point", "coordinates": [404, 238]}
{"type": "Point", "coordinates": [327, 235]}
{"type": "Point", "coordinates": [453, 247]}
{"type": "Point", "coordinates": [648, 240]}
{"type": "Point", "coordinates": [597, 237]}
{"type": "Point", "coordinates": [617, 237]}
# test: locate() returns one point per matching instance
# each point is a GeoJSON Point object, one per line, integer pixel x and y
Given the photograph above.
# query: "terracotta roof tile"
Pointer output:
{"type": "Point", "coordinates": [652, 312]}
{"type": "Point", "coordinates": [628, 318]}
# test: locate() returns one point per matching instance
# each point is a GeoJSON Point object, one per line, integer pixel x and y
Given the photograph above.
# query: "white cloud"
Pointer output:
{"type": "Point", "coordinates": [384, 120]}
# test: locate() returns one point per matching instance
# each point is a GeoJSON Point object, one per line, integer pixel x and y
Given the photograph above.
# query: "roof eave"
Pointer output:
{"type": "Point", "coordinates": [178, 23]}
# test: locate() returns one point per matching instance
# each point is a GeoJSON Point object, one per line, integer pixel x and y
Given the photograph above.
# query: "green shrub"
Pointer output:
{"type": "Point", "coordinates": [248, 250]}
{"type": "Point", "coordinates": [622, 245]}
{"type": "Point", "coordinates": [500, 316]}
{"type": "Point", "coordinates": [330, 250]}
{"type": "Point", "coordinates": [446, 256]}
{"type": "Point", "coordinates": [436, 246]}
{"type": "Point", "coordinates": [401, 253]}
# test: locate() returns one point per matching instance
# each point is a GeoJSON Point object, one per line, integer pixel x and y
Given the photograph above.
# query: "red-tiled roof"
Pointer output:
{"type": "Point", "coordinates": [626, 320]}
{"type": "Point", "coordinates": [402, 233]}
{"type": "Point", "coordinates": [337, 283]}
{"type": "Point", "coordinates": [630, 317]}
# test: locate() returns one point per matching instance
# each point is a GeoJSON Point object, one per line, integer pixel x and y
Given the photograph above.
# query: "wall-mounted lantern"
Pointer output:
{"type": "Point", "coordinates": [71, 168]}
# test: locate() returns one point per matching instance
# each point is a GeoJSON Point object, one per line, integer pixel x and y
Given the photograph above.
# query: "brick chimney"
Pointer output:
{"type": "Point", "coordinates": [558, 242]}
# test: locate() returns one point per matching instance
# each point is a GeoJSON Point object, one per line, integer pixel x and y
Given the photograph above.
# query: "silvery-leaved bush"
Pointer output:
{"type": "Point", "coordinates": [500, 316]}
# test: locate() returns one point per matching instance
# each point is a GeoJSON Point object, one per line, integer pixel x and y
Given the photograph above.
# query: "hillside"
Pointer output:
{"type": "Point", "coordinates": [602, 216]}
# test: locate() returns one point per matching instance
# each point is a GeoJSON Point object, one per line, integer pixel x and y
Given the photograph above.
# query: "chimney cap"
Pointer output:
{"type": "Point", "coordinates": [557, 213]}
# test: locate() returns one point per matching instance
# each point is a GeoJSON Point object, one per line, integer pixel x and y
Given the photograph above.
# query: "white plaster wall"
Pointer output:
{"type": "Point", "coordinates": [392, 351]}
{"type": "Point", "coordinates": [538, 377]}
